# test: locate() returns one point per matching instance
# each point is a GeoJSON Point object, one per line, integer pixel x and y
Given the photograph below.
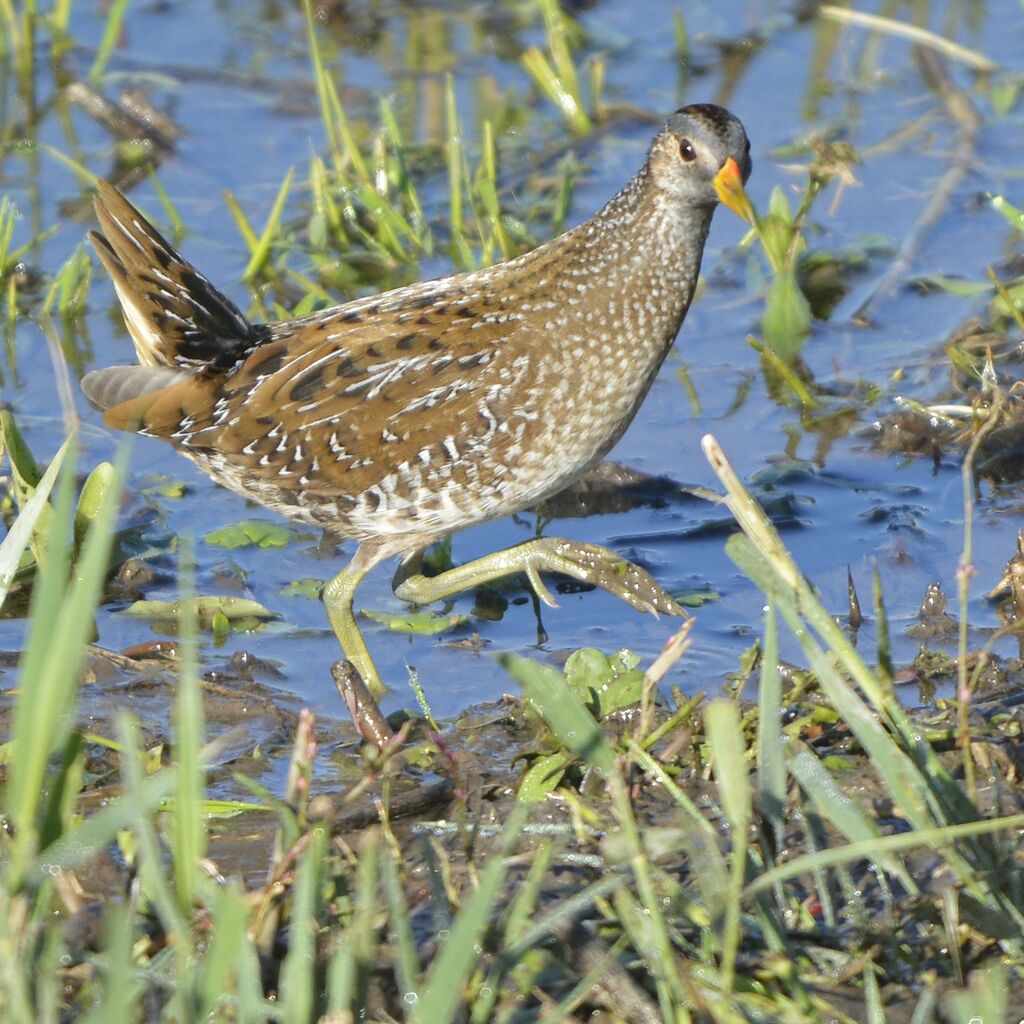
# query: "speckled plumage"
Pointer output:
{"type": "Point", "coordinates": [398, 418]}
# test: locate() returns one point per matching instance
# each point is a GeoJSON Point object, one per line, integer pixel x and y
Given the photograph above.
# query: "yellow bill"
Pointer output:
{"type": "Point", "coordinates": [728, 184]}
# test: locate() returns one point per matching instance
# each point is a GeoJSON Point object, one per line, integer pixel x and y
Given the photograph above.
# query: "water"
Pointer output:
{"type": "Point", "coordinates": [235, 77]}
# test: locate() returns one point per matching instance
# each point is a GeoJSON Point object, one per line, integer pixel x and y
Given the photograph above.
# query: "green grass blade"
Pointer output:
{"type": "Point", "coordinates": [771, 765]}
{"type": "Point", "coordinates": [873, 1011]}
{"type": "Point", "coordinates": [841, 810]}
{"type": "Point", "coordinates": [99, 830]}
{"type": "Point", "coordinates": [156, 883]}
{"type": "Point", "coordinates": [354, 959]}
{"type": "Point", "coordinates": [729, 762]}
{"type": "Point", "coordinates": [443, 986]}
{"type": "Point", "coordinates": [407, 967]}
{"type": "Point", "coordinates": [111, 33]}
{"type": "Point", "coordinates": [298, 972]}
{"type": "Point", "coordinates": [564, 712]}
{"type": "Point", "coordinates": [229, 916]}
{"type": "Point", "coordinates": [872, 849]}
{"type": "Point", "coordinates": [62, 620]}
{"type": "Point", "coordinates": [121, 983]}
{"type": "Point", "coordinates": [17, 539]}
{"type": "Point", "coordinates": [264, 245]}
{"type": "Point", "coordinates": [189, 835]}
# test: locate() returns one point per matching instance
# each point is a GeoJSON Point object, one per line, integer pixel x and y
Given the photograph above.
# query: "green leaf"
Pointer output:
{"type": "Point", "coordinates": [90, 501]}
{"type": "Point", "coordinates": [987, 997]}
{"type": "Point", "coordinates": [25, 525]}
{"type": "Point", "coordinates": [220, 627]}
{"type": "Point", "coordinates": [418, 623]}
{"type": "Point", "coordinates": [568, 718]}
{"type": "Point", "coordinates": [459, 951]}
{"type": "Point", "coordinates": [606, 684]}
{"type": "Point", "coordinates": [696, 598]}
{"type": "Point", "coordinates": [543, 777]}
{"type": "Point", "coordinates": [206, 609]}
{"type": "Point", "coordinates": [1012, 214]}
{"type": "Point", "coordinates": [309, 587]}
{"type": "Point", "coordinates": [778, 206]}
{"type": "Point", "coordinates": [167, 488]}
{"type": "Point", "coordinates": [729, 761]}
{"type": "Point", "coordinates": [787, 317]}
{"type": "Point", "coordinates": [26, 476]}
{"type": "Point", "coordinates": [953, 285]}
{"type": "Point", "coordinates": [26, 473]}
{"type": "Point", "coordinates": [254, 533]}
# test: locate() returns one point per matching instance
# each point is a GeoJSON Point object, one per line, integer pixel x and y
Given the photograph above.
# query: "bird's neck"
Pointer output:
{"type": "Point", "coordinates": [633, 267]}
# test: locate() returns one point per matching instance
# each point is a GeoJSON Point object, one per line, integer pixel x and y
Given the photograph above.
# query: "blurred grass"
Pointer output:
{"type": "Point", "coordinates": [683, 916]}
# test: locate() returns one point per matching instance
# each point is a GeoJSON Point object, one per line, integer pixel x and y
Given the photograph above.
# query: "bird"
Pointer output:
{"type": "Point", "coordinates": [396, 419]}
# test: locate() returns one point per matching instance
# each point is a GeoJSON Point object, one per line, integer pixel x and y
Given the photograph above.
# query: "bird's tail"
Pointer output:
{"type": "Point", "coordinates": [175, 316]}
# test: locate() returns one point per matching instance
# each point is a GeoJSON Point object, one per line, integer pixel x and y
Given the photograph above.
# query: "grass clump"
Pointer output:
{"type": "Point", "coordinates": [709, 862]}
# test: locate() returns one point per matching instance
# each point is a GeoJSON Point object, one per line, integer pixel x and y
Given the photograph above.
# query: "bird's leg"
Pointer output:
{"type": "Point", "coordinates": [588, 563]}
{"type": "Point", "coordinates": [337, 598]}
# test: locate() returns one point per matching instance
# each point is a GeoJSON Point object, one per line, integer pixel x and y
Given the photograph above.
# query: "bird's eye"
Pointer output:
{"type": "Point", "coordinates": [686, 151]}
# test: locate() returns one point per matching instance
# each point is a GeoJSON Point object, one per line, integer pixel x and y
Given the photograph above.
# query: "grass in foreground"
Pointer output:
{"type": "Point", "coordinates": [687, 879]}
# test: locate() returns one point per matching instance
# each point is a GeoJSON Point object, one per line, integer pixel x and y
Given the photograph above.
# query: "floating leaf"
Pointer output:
{"type": "Point", "coordinates": [167, 488]}
{"type": "Point", "coordinates": [309, 587]}
{"type": "Point", "coordinates": [254, 533]}
{"type": "Point", "coordinates": [419, 623]}
{"type": "Point", "coordinates": [952, 285]}
{"type": "Point", "coordinates": [696, 598]}
{"type": "Point", "coordinates": [206, 610]}
{"type": "Point", "coordinates": [1004, 95]}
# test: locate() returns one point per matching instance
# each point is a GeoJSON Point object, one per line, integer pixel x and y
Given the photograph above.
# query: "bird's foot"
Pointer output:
{"type": "Point", "coordinates": [588, 563]}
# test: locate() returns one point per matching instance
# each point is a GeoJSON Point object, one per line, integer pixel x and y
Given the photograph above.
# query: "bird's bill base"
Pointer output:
{"type": "Point", "coordinates": [728, 184]}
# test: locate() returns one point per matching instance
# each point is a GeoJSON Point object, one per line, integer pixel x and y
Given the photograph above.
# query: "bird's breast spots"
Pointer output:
{"type": "Point", "coordinates": [407, 341]}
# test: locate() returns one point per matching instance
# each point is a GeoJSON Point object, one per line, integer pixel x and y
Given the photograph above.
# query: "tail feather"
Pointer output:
{"type": "Point", "coordinates": [175, 316]}
{"type": "Point", "coordinates": [116, 384]}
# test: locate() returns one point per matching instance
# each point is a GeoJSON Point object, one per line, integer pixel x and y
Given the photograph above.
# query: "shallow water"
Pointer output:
{"type": "Point", "coordinates": [235, 78]}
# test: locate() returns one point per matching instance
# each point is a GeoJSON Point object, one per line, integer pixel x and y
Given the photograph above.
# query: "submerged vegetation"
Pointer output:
{"type": "Point", "coordinates": [797, 847]}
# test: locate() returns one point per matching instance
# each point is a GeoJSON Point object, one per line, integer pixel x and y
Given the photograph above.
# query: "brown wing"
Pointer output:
{"type": "Point", "coordinates": [341, 401]}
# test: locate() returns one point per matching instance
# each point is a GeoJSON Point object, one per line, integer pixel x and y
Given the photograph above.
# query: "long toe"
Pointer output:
{"type": "Point", "coordinates": [593, 564]}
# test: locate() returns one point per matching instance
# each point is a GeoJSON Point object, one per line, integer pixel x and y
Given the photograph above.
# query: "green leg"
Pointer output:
{"type": "Point", "coordinates": [337, 598]}
{"type": "Point", "coordinates": [587, 563]}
